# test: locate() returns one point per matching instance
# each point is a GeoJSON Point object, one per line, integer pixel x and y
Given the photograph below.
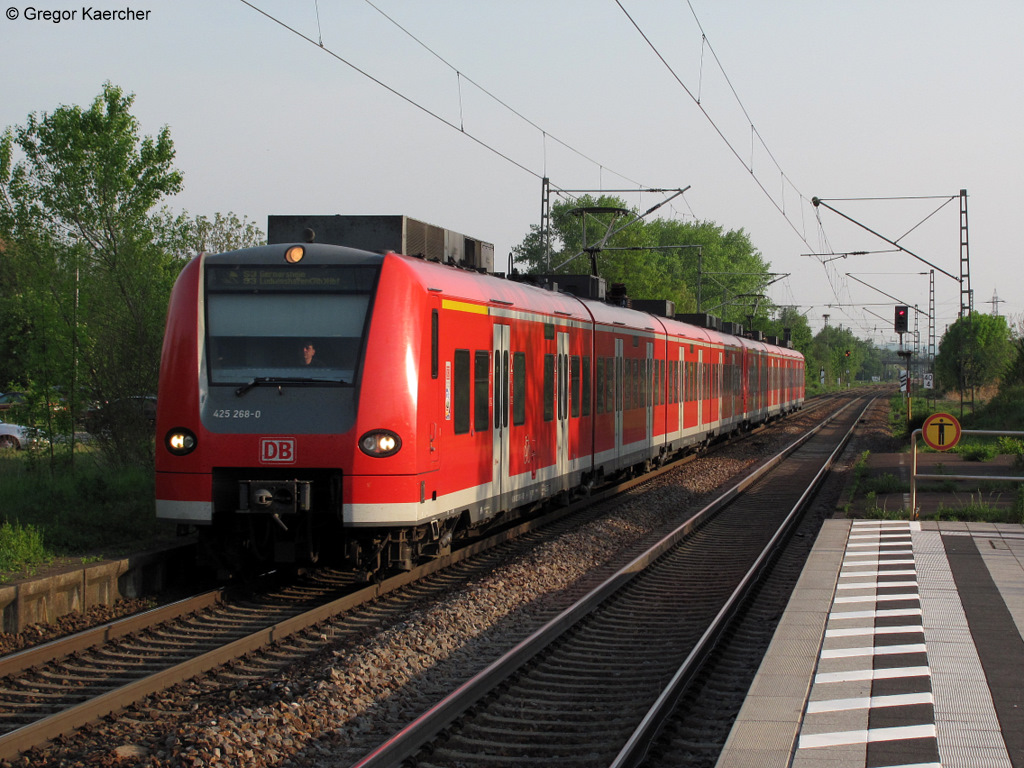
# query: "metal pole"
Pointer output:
{"type": "Point", "coordinates": [913, 473]}
{"type": "Point", "coordinates": [700, 267]}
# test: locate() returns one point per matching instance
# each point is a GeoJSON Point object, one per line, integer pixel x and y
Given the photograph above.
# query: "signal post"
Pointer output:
{"type": "Point", "coordinates": [900, 325]}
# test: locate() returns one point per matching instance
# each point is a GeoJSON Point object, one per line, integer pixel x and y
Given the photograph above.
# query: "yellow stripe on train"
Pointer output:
{"type": "Point", "coordinates": [462, 306]}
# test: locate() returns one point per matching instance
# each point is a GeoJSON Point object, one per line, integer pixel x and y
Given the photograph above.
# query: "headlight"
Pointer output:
{"type": "Point", "coordinates": [180, 441]}
{"type": "Point", "coordinates": [380, 443]}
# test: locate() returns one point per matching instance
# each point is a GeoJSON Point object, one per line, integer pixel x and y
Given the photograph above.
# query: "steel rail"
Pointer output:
{"type": "Point", "coordinates": [410, 739]}
{"type": "Point", "coordinates": [47, 728]}
{"type": "Point", "coordinates": [636, 747]}
{"type": "Point", "coordinates": [21, 661]}
{"type": "Point", "coordinates": [60, 723]}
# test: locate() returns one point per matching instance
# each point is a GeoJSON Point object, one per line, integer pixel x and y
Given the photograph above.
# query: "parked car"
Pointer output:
{"type": "Point", "coordinates": [10, 399]}
{"type": "Point", "coordinates": [13, 436]}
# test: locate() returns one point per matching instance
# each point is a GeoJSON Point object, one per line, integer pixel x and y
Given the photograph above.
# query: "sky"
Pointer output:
{"type": "Point", "coordinates": [452, 112]}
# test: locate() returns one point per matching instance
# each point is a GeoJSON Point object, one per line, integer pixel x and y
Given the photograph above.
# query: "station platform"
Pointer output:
{"type": "Point", "coordinates": [901, 647]}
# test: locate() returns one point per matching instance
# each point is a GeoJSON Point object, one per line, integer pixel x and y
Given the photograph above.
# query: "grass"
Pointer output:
{"type": "Point", "coordinates": [976, 510]}
{"type": "Point", "coordinates": [52, 511]}
{"type": "Point", "coordinates": [874, 512]}
{"type": "Point", "coordinates": [885, 483]}
{"type": "Point", "coordinates": [21, 546]}
{"type": "Point", "coordinates": [976, 449]}
{"type": "Point", "coordinates": [1003, 412]}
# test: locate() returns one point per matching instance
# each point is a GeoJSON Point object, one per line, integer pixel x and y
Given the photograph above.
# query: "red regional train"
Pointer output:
{"type": "Point", "coordinates": [437, 401]}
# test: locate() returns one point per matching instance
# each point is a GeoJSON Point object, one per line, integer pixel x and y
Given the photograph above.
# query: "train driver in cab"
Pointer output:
{"type": "Point", "coordinates": [309, 357]}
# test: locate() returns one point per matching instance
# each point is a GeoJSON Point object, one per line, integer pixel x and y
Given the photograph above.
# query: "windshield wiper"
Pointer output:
{"type": "Point", "coordinates": [261, 380]}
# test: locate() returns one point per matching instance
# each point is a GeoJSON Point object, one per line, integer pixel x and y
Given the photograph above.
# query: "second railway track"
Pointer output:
{"type": "Point", "coordinates": [594, 686]}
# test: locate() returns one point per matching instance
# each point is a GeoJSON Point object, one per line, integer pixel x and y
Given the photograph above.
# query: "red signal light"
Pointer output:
{"type": "Point", "coordinates": [900, 319]}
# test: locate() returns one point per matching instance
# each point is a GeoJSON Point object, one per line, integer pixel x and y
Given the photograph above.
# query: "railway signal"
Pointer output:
{"type": "Point", "coordinates": [900, 319]}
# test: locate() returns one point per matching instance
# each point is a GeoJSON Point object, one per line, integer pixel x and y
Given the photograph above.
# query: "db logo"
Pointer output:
{"type": "Point", "coordinates": [277, 450]}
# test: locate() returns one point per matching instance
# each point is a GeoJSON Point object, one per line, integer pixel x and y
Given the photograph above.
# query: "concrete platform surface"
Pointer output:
{"type": "Point", "coordinates": [901, 646]}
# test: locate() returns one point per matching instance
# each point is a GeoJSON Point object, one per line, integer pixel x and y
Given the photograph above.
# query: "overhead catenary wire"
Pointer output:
{"type": "Point", "coordinates": [696, 100]}
{"type": "Point", "coordinates": [463, 76]}
{"type": "Point", "coordinates": [838, 284]}
{"type": "Point", "coordinates": [385, 86]}
{"type": "Point", "coordinates": [459, 123]}
{"type": "Point", "coordinates": [440, 118]}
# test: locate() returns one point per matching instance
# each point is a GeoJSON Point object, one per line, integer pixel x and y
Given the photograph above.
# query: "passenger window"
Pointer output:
{"type": "Point", "coordinates": [613, 381]}
{"type": "Point", "coordinates": [549, 387]}
{"type": "Point", "coordinates": [498, 387]}
{"type": "Point", "coordinates": [519, 388]}
{"type": "Point", "coordinates": [627, 385]}
{"type": "Point", "coordinates": [585, 407]}
{"type": "Point", "coordinates": [504, 388]}
{"type": "Point", "coordinates": [637, 385]}
{"type": "Point", "coordinates": [433, 343]}
{"type": "Point", "coordinates": [460, 392]}
{"type": "Point", "coordinates": [563, 387]}
{"type": "Point", "coordinates": [481, 391]}
{"type": "Point", "coordinates": [574, 378]}
{"type": "Point", "coordinates": [657, 382]}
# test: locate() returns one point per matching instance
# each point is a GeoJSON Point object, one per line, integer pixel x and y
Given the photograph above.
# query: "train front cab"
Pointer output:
{"type": "Point", "coordinates": [256, 445]}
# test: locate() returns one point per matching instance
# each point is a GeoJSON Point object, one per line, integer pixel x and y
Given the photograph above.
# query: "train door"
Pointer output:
{"type": "Point", "coordinates": [436, 384]}
{"type": "Point", "coordinates": [649, 405]}
{"type": "Point", "coordinates": [562, 437]}
{"type": "Point", "coordinates": [500, 391]}
{"type": "Point", "coordinates": [700, 394]}
{"type": "Point", "coordinates": [618, 399]}
{"type": "Point", "coordinates": [681, 393]}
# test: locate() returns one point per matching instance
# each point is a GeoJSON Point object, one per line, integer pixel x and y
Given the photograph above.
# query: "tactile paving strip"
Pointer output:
{"type": "Point", "coordinates": [872, 691]}
{"type": "Point", "coordinates": [899, 683]}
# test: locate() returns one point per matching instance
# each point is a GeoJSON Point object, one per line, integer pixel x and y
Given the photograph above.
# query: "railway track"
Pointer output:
{"type": "Point", "coordinates": [51, 690]}
{"type": "Point", "coordinates": [596, 684]}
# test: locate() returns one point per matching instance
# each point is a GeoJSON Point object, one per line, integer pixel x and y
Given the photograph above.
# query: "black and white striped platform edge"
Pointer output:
{"type": "Point", "coordinates": [899, 683]}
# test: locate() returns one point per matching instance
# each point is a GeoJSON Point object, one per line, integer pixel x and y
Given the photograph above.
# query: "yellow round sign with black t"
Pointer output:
{"type": "Point", "coordinates": [941, 431]}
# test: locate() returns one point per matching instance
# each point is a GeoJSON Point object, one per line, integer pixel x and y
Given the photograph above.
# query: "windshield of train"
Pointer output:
{"type": "Point", "coordinates": [293, 324]}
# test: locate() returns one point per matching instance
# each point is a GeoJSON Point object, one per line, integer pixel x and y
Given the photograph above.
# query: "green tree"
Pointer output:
{"type": "Point", "coordinates": [790, 320]}
{"type": "Point", "coordinates": [838, 352]}
{"type": "Point", "coordinates": [974, 351]}
{"type": "Point", "coordinates": [657, 259]}
{"type": "Point", "coordinates": [184, 235]}
{"type": "Point", "coordinates": [723, 267]}
{"type": "Point", "coordinates": [82, 260]}
{"type": "Point", "coordinates": [1015, 372]}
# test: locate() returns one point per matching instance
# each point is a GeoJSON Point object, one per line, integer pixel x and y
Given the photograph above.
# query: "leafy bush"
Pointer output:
{"type": "Point", "coordinates": [1012, 446]}
{"type": "Point", "coordinates": [20, 546]}
{"type": "Point", "coordinates": [976, 450]}
{"type": "Point", "coordinates": [87, 510]}
{"type": "Point", "coordinates": [899, 426]}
